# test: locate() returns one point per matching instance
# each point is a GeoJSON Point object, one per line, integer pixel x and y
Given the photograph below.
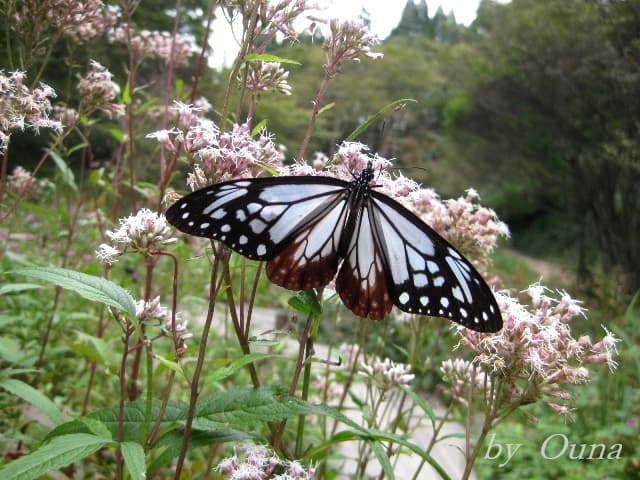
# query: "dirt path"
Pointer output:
{"type": "Point", "coordinates": [549, 271]}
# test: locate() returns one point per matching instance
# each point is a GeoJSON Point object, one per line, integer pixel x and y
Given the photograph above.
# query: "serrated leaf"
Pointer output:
{"type": "Point", "coordinates": [267, 57]}
{"type": "Point", "coordinates": [88, 286]}
{"type": "Point", "coordinates": [34, 397]}
{"type": "Point", "coordinates": [67, 174]}
{"type": "Point", "coordinates": [134, 419]}
{"type": "Point", "coordinates": [60, 452]}
{"type": "Point", "coordinates": [134, 459]}
{"type": "Point", "coordinates": [18, 287]}
{"type": "Point", "coordinates": [377, 116]}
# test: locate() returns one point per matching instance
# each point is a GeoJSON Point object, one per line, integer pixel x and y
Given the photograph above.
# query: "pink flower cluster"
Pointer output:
{"type": "Point", "coordinates": [534, 355]}
{"type": "Point", "coordinates": [460, 375]}
{"type": "Point", "coordinates": [266, 76]}
{"type": "Point", "coordinates": [219, 155]}
{"type": "Point", "coordinates": [387, 374]}
{"type": "Point", "coordinates": [22, 183]}
{"type": "Point", "coordinates": [260, 463]}
{"type": "Point", "coordinates": [153, 312]}
{"type": "Point", "coordinates": [22, 108]}
{"type": "Point", "coordinates": [348, 40]}
{"type": "Point", "coordinates": [79, 20]}
{"type": "Point", "coordinates": [98, 91]}
{"type": "Point", "coordinates": [145, 232]}
{"type": "Point", "coordinates": [154, 44]}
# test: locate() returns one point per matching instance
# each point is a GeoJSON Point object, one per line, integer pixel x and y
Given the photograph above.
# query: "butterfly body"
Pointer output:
{"type": "Point", "coordinates": [310, 227]}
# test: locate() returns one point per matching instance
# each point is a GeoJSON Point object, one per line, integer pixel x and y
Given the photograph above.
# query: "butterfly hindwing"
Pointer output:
{"type": "Point", "coordinates": [258, 217]}
{"type": "Point", "coordinates": [311, 257]}
{"type": "Point", "coordinates": [426, 274]}
{"type": "Point", "coordinates": [361, 281]}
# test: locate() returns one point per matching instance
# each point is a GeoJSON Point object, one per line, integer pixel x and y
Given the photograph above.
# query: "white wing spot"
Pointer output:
{"type": "Point", "coordinates": [243, 240]}
{"type": "Point", "coordinates": [185, 215]}
{"type": "Point", "coordinates": [444, 301]}
{"type": "Point", "coordinates": [404, 298]}
{"type": "Point", "coordinates": [204, 225]}
{"type": "Point", "coordinates": [433, 267]}
{"type": "Point", "coordinates": [261, 250]}
{"type": "Point", "coordinates": [218, 214]}
{"type": "Point", "coordinates": [225, 228]}
{"type": "Point", "coordinates": [420, 280]}
{"type": "Point", "coordinates": [253, 207]}
{"type": "Point", "coordinates": [457, 292]}
{"type": "Point", "coordinates": [184, 205]}
{"type": "Point", "coordinates": [454, 253]}
{"type": "Point", "coordinates": [240, 215]}
{"type": "Point", "coordinates": [476, 320]}
{"type": "Point", "coordinates": [270, 212]}
{"type": "Point", "coordinates": [190, 223]}
{"type": "Point", "coordinates": [424, 301]}
{"type": "Point", "coordinates": [485, 317]}
{"type": "Point", "coordinates": [491, 309]}
{"type": "Point", "coordinates": [463, 312]}
{"type": "Point", "coordinates": [257, 225]}
{"type": "Point", "coordinates": [438, 281]}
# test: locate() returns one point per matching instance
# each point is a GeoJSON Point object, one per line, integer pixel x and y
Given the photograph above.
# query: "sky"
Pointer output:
{"type": "Point", "coordinates": [384, 15]}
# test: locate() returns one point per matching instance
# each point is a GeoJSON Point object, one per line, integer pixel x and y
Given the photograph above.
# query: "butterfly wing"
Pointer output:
{"type": "Point", "coordinates": [361, 281]}
{"type": "Point", "coordinates": [425, 274]}
{"type": "Point", "coordinates": [295, 223]}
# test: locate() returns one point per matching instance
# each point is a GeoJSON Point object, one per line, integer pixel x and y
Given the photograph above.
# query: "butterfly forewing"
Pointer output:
{"type": "Point", "coordinates": [259, 217]}
{"type": "Point", "coordinates": [426, 274]}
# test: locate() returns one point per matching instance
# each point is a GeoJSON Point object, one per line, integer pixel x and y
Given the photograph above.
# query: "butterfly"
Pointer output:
{"type": "Point", "coordinates": [307, 228]}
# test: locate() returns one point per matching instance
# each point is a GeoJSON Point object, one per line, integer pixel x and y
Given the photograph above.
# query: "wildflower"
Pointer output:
{"type": "Point", "coordinates": [22, 108]}
{"type": "Point", "coordinates": [260, 463]}
{"type": "Point", "coordinates": [266, 76]}
{"type": "Point", "coordinates": [387, 374]}
{"type": "Point", "coordinates": [534, 354]}
{"type": "Point", "coordinates": [348, 40]}
{"type": "Point", "coordinates": [145, 232]}
{"type": "Point", "coordinates": [79, 21]}
{"type": "Point", "coordinates": [460, 375]}
{"type": "Point", "coordinates": [65, 115]}
{"type": "Point", "coordinates": [154, 44]}
{"type": "Point", "coordinates": [22, 183]}
{"type": "Point", "coordinates": [98, 91]}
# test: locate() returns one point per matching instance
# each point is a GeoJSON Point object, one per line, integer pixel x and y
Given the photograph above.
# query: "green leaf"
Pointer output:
{"type": "Point", "coordinates": [116, 134]}
{"type": "Point", "coordinates": [94, 349]}
{"type": "Point", "coordinates": [171, 365]}
{"type": "Point", "coordinates": [95, 427]}
{"type": "Point", "coordinates": [18, 287]}
{"type": "Point", "coordinates": [88, 286]}
{"type": "Point", "coordinates": [426, 408]}
{"type": "Point", "coordinates": [134, 420]}
{"type": "Point", "coordinates": [262, 124]}
{"type": "Point", "coordinates": [134, 459]}
{"type": "Point", "coordinates": [34, 397]}
{"type": "Point", "coordinates": [10, 350]}
{"type": "Point", "coordinates": [306, 302]}
{"type": "Point", "coordinates": [126, 94]}
{"type": "Point", "coordinates": [377, 116]}
{"type": "Point", "coordinates": [267, 57]}
{"type": "Point", "coordinates": [60, 452]}
{"type": "Point", "coordinates": [63, 168]}
{"type": "Point", "coordinates": [381, 454]}
{"type": "Point", "coordinates": [236, 365]}
{"type": "Point", "coordinates": [326, 108]}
